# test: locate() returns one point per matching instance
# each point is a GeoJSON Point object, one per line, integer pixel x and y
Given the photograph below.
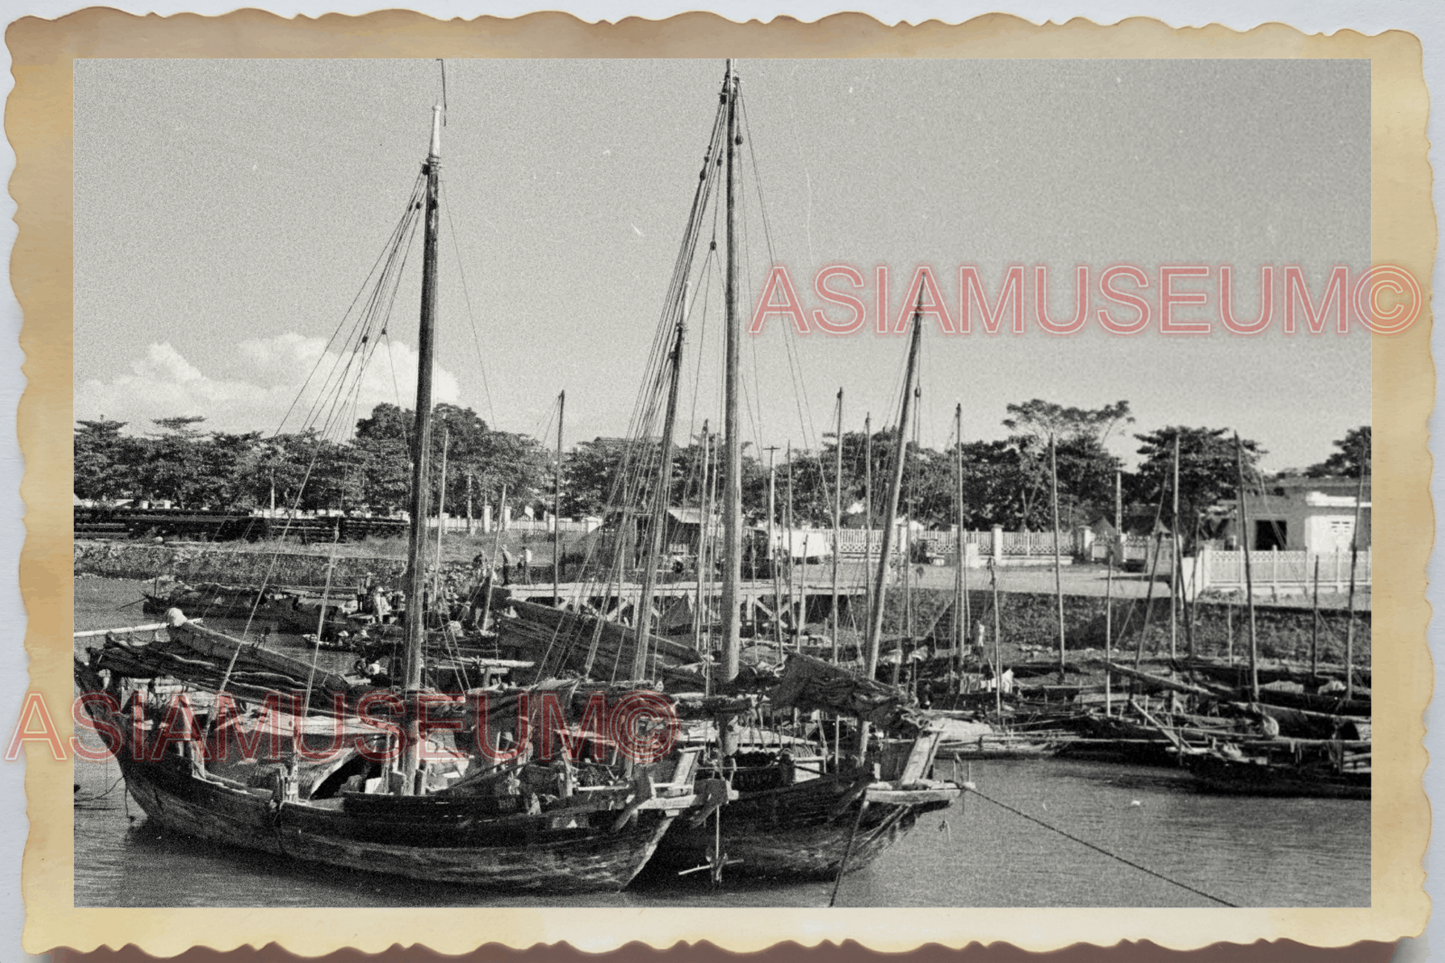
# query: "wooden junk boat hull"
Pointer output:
{"type": "Point", "coordinates": [442, 838]}
{"type": "Point", "coordinates": [1247, 778]}
{"type": "Point", "coordinates": [422, 837]}
{"type": "Point", "coordinates": [803, 830]}
{"type": "Point", "coordinates": [838, 821]}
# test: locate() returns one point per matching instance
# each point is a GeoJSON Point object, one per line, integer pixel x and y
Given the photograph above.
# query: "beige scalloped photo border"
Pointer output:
{"type": "Point", "coordinates": [38, 123]}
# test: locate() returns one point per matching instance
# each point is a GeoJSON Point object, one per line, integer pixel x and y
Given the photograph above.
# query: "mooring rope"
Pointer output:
{"type": "Point", "coordinates": [1099, 849]}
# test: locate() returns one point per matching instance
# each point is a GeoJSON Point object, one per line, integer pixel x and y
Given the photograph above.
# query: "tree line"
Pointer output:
{"type": "Point", "coordinates": [1004, 482]}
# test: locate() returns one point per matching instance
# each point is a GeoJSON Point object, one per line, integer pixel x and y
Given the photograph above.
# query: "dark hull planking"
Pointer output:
{"type": "Point", "coordinates": [798, 831]}
{"type": "Point", "coordinates": [435, 839]}
{"type": "Point", "coordinates": [1257, 779]}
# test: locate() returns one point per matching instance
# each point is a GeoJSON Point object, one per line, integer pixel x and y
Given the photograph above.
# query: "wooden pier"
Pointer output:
{"type": "Point", "coordinates": [674, 602]}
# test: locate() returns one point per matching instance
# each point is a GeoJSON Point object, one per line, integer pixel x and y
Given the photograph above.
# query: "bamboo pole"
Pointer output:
{"type": "Point", "coordinates": [1354, 566]}
{"type": "Point", "coordinates": [492, 560]}
{"type": "Point", "coordinates": [1248, 572]}
{"type": "Point", "coordinates": [1176, 568]}
{"type": "Point", "coordinates": [556, 507]}
{"type": "Point", "coordinates": [661, 497]}
{"type": "Point", "coordinates": [960, 600]}
{"type": "Point", "coordinates": [906, 638]}
{"type": "Point", "coordinates": [1108, 636]}
{"type": "Point", "coordinates": [702, 540]}
{"type": "Point", "coordinates": [997, 646]}
{"type": "Point", "coordinates": [774, 552]}
{"type": "Point", "coordinates": [837, 516]}
{"type": "Point", "coordinates": [875, 625]}
{"type": "Point", "coordinates": [410, 762]}
{"type": "Point", "coordinates": [1153, 573]}
{"type": "Point", "coordinates": [1315, 625]}
{"type": "Point", "coordinates": [875, 629]}
{"type": "Point", "coordinates": [868, 516]}
{"type": "Point", "coordinates": [712, 547]}
{"type": "Point", "coordinates": [1229, 628]}
{"type": "Point", "coordinates": [732, 509]}
{"type": "Point", "coordinates": [436, 582]}
{"type": "Point", "coordinates": [1058, 563]}
{"type": "Point", "coordinates": [793, 609]}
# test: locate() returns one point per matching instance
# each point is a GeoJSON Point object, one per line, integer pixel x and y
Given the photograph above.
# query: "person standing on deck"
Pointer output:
{"type": "Point", "coordinates": [506, 567]}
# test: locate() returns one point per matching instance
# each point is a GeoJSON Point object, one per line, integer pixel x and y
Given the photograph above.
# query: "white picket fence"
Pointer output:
{"type": "Point", "coordinates": [856, 542]}
{"type": "Point", "coordinates": [523, 525]}
{"type": "Point", "coordinates": [1223, 569]}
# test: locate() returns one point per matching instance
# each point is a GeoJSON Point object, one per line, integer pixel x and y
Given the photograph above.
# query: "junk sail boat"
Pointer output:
{"type": "Point", "coordinates": [466, 804]}
{"type": "Point", "coordinates": [796, 814]}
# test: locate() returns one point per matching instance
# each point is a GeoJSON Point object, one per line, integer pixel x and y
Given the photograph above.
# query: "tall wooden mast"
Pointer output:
{"type": "Point", "coordinates": [557, 506]}
{"type": "Point", "coordinates": [1058, 562]}
{"type": "Point", "coordinates": [961, 615]}
{"type": "Point", "coordinates": [895, 483]}
{"type": "Point", "coordinates": [1248, 571]}
{"type": "Point", "coordinates": [732, 506]}
{"type": "Point", "coordinates": [775, 546]}
{"type": "Point", "coordinates": [837, 517]}
{"type": "Point", "coordinates": [421, 460]}
{"type": "Point", "coordinates": [868, 515]}
{"type": "Point", "coordinates": [642, 623]}
{"type": "Point", "coordinates": [1365, 456]}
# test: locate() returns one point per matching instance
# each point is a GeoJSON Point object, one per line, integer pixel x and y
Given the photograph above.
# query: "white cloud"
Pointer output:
{"type": "Point", "coordinates": [261, 381]}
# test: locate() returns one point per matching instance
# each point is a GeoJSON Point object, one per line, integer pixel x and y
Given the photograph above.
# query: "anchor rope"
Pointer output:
{"type": "Point", "coordinates": [1099, 849]}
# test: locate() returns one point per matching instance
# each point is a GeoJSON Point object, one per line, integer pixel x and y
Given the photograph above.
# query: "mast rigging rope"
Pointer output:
{"type": "Point", "coordinates": [1099, 849]}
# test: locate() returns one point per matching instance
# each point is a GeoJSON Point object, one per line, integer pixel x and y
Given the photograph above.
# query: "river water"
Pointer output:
{"type": "Point", "coordinates": [1241, 850]}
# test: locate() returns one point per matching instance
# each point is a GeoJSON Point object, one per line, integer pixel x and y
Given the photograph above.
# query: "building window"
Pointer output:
{"type": "Point", "coordinates": [1270, 535]}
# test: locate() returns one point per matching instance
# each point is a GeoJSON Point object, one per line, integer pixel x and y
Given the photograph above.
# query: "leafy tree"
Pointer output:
{"type": "Point", "coordinates": [280, 468]}
{"type": "Point", "coordinates": [383, 457]}
{"type": "Point", "coordinates": [174, 466]}
{"type": "Point", "coordinates": [338, 480]}
{"type": "Point", "coordinates": [228, 470]}
{"type": "Point", "coordinates": [1085, 467]}
{"type": "Point", "coordinates": [1086, 479]}
{"type": "Point", "coordinates": [1347, 458]}
{"type": "Point", "coordinates": [1040, 420]}
{"type": "Point", "coordinates": [104, 460]}
{"type": "Point", "coordinates": [1208, 470]}
{"type": "Point", "coordinates": [606, 475]}
{"type": "Point", "coordinates": [180, 426]}
{"type": "Point", "coordinates": [991, 490]}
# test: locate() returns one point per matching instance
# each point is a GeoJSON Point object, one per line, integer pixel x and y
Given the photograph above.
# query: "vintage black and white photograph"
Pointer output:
{"type": "Point", "coordinates": [724, 483]}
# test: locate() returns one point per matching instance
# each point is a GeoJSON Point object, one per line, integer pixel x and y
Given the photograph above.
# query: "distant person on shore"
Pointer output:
{"type": "Point", "coordinates": [506, 567]}
{"type": "Point", "coordinates": [526, 572]}
{"type": "Point", "coordinates": [380, 608]}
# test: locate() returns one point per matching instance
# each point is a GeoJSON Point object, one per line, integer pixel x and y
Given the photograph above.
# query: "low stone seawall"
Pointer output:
{"type": "Point", "coordinates": [1031, 618]}
{"type": "Point", "coordinates": [191, 563]}
{"type": "Point", "coordinates": [1028, 618]}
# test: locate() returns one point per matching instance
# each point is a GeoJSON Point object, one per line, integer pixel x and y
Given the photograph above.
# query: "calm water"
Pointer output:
{"type": "Point", "coordinates": [1251, 852]}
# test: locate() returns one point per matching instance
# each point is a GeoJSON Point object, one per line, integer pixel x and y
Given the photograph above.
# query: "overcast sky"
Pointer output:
{"type": "Point", "coordinates": [228, 212]}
